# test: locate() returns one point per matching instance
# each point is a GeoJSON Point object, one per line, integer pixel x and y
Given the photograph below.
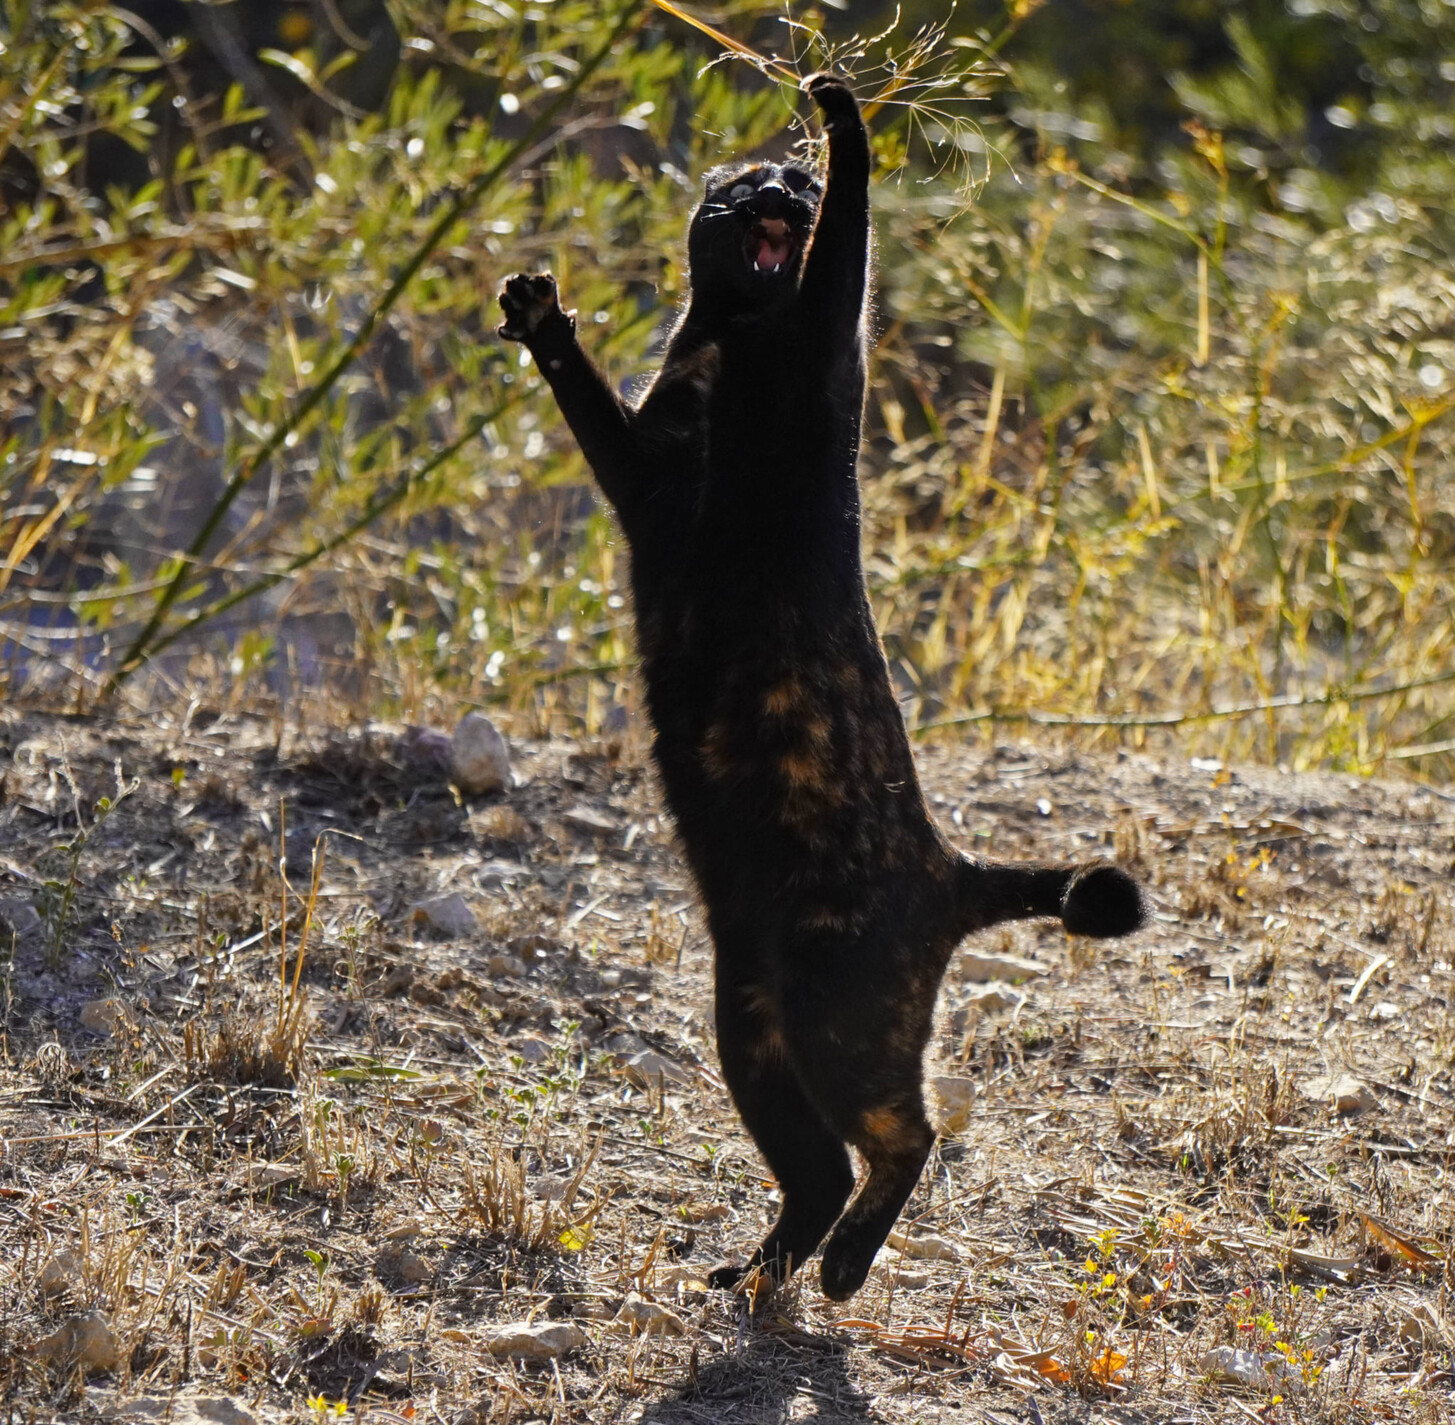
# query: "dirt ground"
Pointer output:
{"type": "Point", "coordinates": [1201, 1175]}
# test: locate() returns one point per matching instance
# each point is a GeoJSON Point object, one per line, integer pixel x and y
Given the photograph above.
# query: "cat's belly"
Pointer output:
{"type": "Point", "coordinates": [791, 768]}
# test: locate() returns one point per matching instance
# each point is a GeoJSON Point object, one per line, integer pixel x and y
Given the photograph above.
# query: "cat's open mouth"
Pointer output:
{"type": "Point", "coordinates": [770, 245]}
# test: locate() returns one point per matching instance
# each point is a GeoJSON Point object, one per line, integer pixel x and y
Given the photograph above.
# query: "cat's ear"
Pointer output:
{"type": "Point", "coordinates": [716, 177]}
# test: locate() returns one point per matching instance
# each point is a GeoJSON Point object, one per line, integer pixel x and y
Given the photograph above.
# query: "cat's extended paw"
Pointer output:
{"type": "Point", "coordinates": [835, 100]}
{"type": "Point", "coordinates": [532, 307]}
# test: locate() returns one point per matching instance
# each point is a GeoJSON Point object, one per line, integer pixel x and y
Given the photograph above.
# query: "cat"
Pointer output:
{"type": "Point", "coordinates": [833, 900]}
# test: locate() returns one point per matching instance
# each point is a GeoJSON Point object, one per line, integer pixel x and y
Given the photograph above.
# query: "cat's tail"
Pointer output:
{"type": "Point", "coordinates": [1099, 899]}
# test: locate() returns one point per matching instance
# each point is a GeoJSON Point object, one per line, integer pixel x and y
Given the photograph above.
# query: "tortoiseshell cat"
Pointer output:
{"type": "Point", "coordinates": [833, 899]}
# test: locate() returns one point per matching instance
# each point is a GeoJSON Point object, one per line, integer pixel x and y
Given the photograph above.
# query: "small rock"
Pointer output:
{"type": "Point", "coordinates": [996, 996]}
{"type": "Point", "coordinates": [933, 1249]}
{"type": "Point", "coordinates": [178, 1408]}
{"type": "Point", "coordinates": [893, 1269]}
{"type": "Point", "coordinates": [646, 1318]}
{"type": "Point", "coordinates": [86, 1341]}
{"type": "Point", "coordinates": [399, 979]}
{"type": "Point", "coordinates": [1269, 1370]}
{"type": "Point", "coordinates": [1000, 967]}
{"type": "Point", "coordinates": [625, 1043]}
{"type": "Point", "coordinates": [404, 1232]}
{"type": "Point", "coordinates": [506, 966]}
{"type": "Point", "coordinates": [479, 757]}
{"type": "Point", "coordinates": [533, 1051]}
{"type": "Point", "coordinates": [63, 1272]}
{"type": "Point", "coordinates": [1423, 1326]}
{"type": "Point", "coordinates": [955, 1099]}
{"type": "Point", "coordinates": [266, 1175]}
{"type": "Point", "coordinates": [704, 1211]}
{"type": "Point", "coordinates": [649, 1068]}
{"type": "Point", "coordinates": [588, 819]}
{"type": "Point", "coordinates": [1384, 1010]}
{"type": "Point", "coordinates": [449, 916]}
{"type": "Point", "coordinates": [427, 752]}
{"type": "Point", "coordinates": [396, 1262]}
{"type": "Point", "coordinates": [104, 1016]}
{"type": "Point", "coordinates": [18, 916]}
{"type": "Point", "coordinates": [1345, 1094]}
{"type": "Point", "coordinates": [534, 1340]}
{"type": "Point", "coordinates": [684, 1278]}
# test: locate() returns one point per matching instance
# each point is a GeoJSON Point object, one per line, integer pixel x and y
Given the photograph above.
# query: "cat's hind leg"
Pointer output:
{"type": "Point", "coordinates": [857, 1026]}
{"type": "Point", "coordinates": [806, 1156]}
{"type": "Point", "coordinates": [895, 1138]}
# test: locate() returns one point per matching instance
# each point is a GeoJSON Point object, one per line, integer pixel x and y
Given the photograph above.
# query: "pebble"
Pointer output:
{"type": "Point", "coordinates": [398, 1263]}
{"type": "Point", "coordinates": [1345, 1094]}
{"type": "Point", "coordinates": [266, 1175]}
{"type": "Point", "coordinates": [449, 916]}
{"type": "Point", "coordinates": [479, 756]}
{"type": "Point", "coordinates": [934, 1249]}
{"type": "Point", "coordinates": [86, 1341]}
{"type": "Point", "coordinates": [18, 915]}
{"type": "Point", "coordinates": [646, 1318]}
{"type": "Point", "coordinates": [534, 1340]}
{"type": "Point", "coordinates": [104, 1016]}
{"type": "Point", "coordinates": [649, 1068]}
{"type": "Point", "coordinates": [62, 1272]}
{"type": "Point", "coordinates": [588, 819]}
{"type": "Point", "coordinates": [1230, 1366]}
{"type": "Point", "coordinates": [177, 1408]}
{"type": "Point", "coordinates": [1000, 967]}
{"type": "Point", "coordinates": [426, 751]}
{"type": "Point", "coordinates": [955, 1102]}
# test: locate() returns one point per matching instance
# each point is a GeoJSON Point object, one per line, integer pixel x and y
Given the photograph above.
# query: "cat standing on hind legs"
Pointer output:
{"type": "Point", "coordinates": [833, 899]}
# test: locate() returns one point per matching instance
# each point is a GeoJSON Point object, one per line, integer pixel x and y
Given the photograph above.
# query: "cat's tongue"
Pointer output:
{"type": "Point", "coordinates": [774, 245]}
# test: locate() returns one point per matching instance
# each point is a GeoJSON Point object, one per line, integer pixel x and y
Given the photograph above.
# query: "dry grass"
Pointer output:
{"type": "Point", "coordinates": [452, 1135]}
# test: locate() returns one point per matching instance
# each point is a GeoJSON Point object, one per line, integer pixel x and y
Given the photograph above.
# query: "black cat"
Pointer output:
{"type": "Point", "coordinates": [833, 899]}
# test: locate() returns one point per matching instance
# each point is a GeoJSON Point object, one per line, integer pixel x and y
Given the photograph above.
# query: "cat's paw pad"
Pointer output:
{"type": "Point", "coordinates": [530, 302]}
{"type": "Point", "coordinates": [834, 98]}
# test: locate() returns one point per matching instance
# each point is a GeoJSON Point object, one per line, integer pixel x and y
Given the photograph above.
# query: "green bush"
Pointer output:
{"type": "Point", "coordinates": [1155, 434]}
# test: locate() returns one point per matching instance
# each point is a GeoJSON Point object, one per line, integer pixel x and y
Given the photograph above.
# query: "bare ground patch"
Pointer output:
{"type": "Point", "coordinates": [1199, 1176]}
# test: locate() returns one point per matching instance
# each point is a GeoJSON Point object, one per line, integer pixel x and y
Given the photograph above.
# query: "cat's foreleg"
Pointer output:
{"type": "Point", "coordinates": [836, 270]}
{"type": "Point", "coordinates": [601, 421]}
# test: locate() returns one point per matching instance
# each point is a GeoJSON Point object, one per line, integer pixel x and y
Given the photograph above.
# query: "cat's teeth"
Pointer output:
{"type": "Point", "coordinates": [777, 267]}
{"type": "Point", "coordinates": [756, 268]}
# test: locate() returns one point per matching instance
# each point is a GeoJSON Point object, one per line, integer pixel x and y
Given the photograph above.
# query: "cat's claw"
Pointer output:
{"type": "Point", "coordinates": [530, 302]}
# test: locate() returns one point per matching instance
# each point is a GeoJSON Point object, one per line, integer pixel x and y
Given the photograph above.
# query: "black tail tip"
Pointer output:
{"type": "Point", "coordinates": [1103, 901]}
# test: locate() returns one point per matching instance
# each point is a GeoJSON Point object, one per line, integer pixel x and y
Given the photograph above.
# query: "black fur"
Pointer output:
{"type": "Point", "coordinates": [833, 899]}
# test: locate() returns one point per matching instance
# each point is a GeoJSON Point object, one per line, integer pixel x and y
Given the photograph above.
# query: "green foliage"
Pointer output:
{"type": "Point", "coordinates": [1160, 423]}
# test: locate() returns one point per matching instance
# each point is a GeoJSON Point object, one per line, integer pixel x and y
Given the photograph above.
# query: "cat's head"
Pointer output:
{"type": "Point", "coordinates": [747, 236]}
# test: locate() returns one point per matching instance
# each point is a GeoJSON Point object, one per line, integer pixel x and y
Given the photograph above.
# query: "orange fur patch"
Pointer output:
{"type": "Point", "coordinates": [785, 698]}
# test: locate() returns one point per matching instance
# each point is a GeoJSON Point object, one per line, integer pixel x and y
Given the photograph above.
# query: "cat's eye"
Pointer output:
{"type": "Point", "coordinates": [740, 191]}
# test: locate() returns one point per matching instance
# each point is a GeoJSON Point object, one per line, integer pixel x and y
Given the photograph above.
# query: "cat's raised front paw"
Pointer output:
{"type": "Point", "coordinates": [834, 98]}
{"type": "Point", "coordinates": [531, 304]}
